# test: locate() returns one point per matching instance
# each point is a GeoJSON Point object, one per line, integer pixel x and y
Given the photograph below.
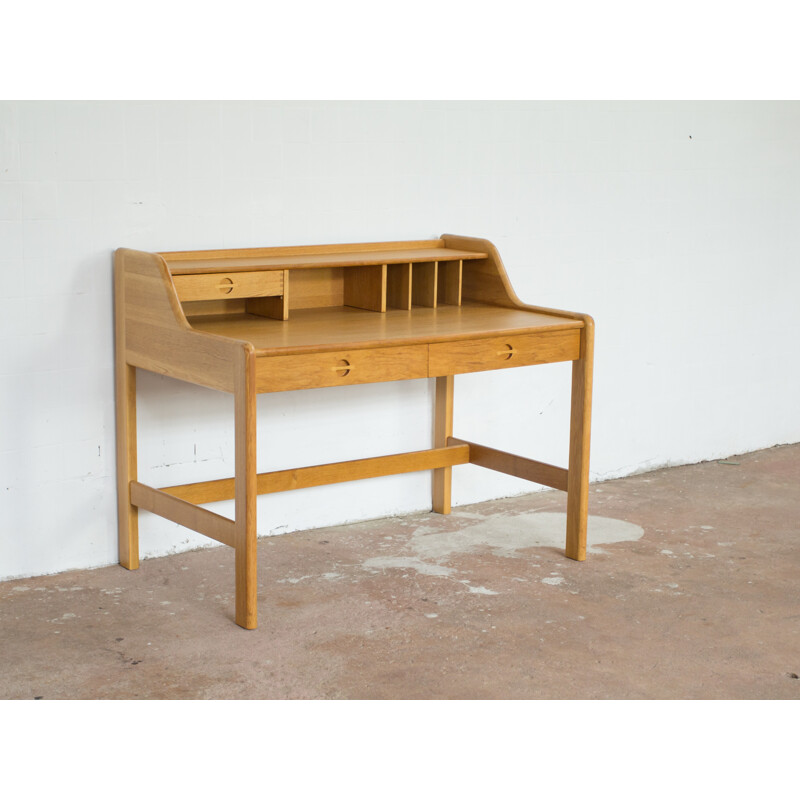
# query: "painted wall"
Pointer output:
{"type": "Point", "coordinates": [674, 224]}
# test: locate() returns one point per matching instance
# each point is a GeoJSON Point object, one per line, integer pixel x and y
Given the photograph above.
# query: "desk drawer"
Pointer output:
{"type": "Point", "coordinates": [341, 368]}
{"type": "Point", "coordinates": [499, 352]}
{"type": "Point", "coordinates": [229, 285]}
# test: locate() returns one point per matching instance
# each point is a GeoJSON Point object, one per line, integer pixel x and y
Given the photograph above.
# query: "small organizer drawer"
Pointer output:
{"type": "Point", "coordinates": [475, 355]}
{"type": "Point", "coordinates": [229, 285]}
{"type": "Point", "coordinates": [341, 368]}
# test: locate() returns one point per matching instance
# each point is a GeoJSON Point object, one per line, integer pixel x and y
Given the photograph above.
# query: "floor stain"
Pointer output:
{"type": "Point", "coordinates": [506, 536]}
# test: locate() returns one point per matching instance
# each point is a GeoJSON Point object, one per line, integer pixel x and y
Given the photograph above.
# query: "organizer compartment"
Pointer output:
{"type": "Point", "coordinates": [256, 285]}
{"type": "Point", "coordinates": [398, 286]}
{"type": "Point", "coordinates": [424, 283]}
{"type": "Point", "coordinates": [449, 283]}
{"type": "Point", "coordinates": [316, 288]}
{"type": "Point", "coordinates": [365, 287]}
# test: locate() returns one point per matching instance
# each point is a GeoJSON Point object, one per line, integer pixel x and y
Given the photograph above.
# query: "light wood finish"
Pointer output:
{"type": "Point", "coordinates": [125, 389]}
{"type": "Point", "coordinates": [202, 308]}
{"type": "Point", "coordinates": [246, 490]}
{"type": "Point", "coordinates": [424, 283]}
{"type": "Point", "coordinates": [272, 307]}
{"type": "Point", "coordinates": [501, 352]}
{"type": "Point", "coordinates": [579, 439]}
{"type": "Point", "coordinates": [314, 330]}
{"type": "Point", "coordinates": [157, 336]}
{"type": "Point", "coordinates": [223, 286]}
{"type": "Point", "coordinates": [316, 289]}
{"type": "Point", "coordinates": [442, 431]}
{"type": "Point", "coordinates": [361, 469]}
{"type": "Point", "coordinates": [269, 307]}
{"type": "Point", "coordinates": [450, 279]}
{"type": "Point", "coordinates": [183, 513]}
{"type": "Point", "coordinates": [398, 286]}
{"type": "Point", "coordinates": [341, 368]}
{"type": "Point", "coordinates": [324, 474]}
{"type": "Point", "coordinates": [486, 280]}
{"type": "Point", "coordinates": [230, 262]}
{"type": "Point", "coordinates": [326, 315]}
{"type": "Point", "coordinates": [365, 287]}
{"type": "Point", "coordinates": [175, 257]}
{"type": "Point", "coordinates": [519, 467]}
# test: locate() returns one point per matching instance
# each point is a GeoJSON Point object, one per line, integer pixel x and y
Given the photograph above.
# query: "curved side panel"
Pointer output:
{"type": "Point", "coordinates": [486, 279]}
{"type": "Point", "coordinates": [153, 332]}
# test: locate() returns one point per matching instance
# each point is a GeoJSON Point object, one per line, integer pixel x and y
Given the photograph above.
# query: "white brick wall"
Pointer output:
{"type": "Point", "coordinates": [673, 224]}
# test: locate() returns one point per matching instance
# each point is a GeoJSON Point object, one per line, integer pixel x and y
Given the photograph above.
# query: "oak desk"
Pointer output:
{"type": "Point", "coordinates": [281, 318]}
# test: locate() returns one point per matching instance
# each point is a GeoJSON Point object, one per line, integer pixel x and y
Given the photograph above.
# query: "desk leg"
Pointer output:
{"type": "Point", "coordinates": [579, 435]}
{"type": "Point", "coordinates": [442, 430]}
{"type": "Point", "coordinates": [246, 492]}
{"type": "Point", "coordinates": [127, 514]}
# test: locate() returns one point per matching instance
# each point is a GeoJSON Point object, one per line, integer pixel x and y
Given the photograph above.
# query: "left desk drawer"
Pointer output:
{"type": "Point", "coordinates": [341, 368]}
{"type": "Point", "coordinates": [228, 285]}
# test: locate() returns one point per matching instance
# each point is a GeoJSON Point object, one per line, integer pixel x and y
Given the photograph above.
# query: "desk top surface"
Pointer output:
{"type": "Point", "coordinates": [321, 329]}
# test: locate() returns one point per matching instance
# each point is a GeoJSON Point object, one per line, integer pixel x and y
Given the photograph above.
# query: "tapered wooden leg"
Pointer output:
{"type": "Point", "coordinates": [442, 429]}
{"type": "Point", "coordinates": [127, 515]}
{"type": "Point", "coordinates": [246, 493]}
{"type": "Point", "coordinates": [579, 437]}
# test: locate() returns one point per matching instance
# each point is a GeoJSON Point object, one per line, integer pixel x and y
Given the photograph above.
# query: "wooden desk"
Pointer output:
{"type": "Point", "coordinates": [283, 318]}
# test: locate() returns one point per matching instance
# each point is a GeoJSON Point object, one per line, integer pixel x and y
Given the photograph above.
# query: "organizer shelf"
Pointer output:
{"type": "Point", "coordinates": [276, 319]}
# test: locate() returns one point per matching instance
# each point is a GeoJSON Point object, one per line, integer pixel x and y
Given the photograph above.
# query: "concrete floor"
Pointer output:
{"type": "Point", "coordinates": [690, 591]}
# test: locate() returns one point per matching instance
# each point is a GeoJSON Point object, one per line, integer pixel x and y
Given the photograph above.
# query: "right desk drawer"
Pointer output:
{"type": "Point", "coordinates": [500, 352]}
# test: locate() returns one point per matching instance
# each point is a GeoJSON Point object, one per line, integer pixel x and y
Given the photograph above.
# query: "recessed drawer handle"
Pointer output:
{"type": "Point", "coordinates": [508, 352]}
{"type": "Point", "coordinates": [343, 368]}
{"type": "Point", "coordinates": [226, 287]}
